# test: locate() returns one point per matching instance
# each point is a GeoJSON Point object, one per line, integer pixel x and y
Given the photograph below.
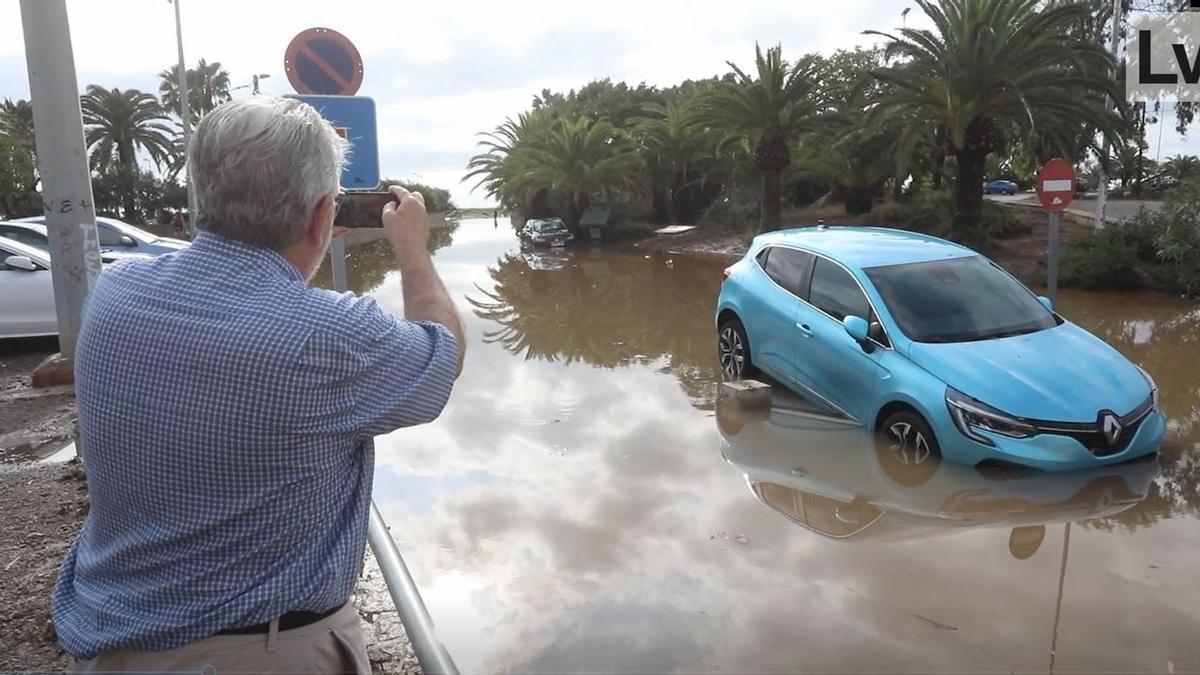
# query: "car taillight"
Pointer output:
{"type": "Point", "coordinates": [726, 272]}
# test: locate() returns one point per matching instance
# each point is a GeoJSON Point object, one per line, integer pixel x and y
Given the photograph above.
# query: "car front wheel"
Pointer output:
{"type": "Point", "coordinates": [907, 449]}
{"type": "Point", "coordinates": [733, 350]}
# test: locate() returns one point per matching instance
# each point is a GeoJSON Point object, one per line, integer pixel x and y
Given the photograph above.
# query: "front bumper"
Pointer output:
{"type": "Point", "coordinates": [1051, 452]}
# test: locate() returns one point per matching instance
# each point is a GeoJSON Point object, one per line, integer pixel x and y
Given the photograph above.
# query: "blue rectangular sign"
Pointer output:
{"type": "Point", "coordinates": [354, 118]}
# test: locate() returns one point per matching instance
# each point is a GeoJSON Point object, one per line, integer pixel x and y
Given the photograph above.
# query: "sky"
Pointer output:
{"type": "Point", "coordinates": [442, 72]}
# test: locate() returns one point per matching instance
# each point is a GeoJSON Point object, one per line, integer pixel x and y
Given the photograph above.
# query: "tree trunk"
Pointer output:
{"type": "Point", "coordinates": [968, 197]}
{"type": "Point", "coordinates": [898, 188]}
{"type": "Point", "coordinates": [772, 200]}
{"type": "Point", "coordinates": [939, 158]}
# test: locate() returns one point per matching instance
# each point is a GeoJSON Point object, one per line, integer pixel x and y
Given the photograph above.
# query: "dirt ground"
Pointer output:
{"type": "Point", "coordinates": [1023, 256]}
{"type": "Point", "coordinates": [43, 507]}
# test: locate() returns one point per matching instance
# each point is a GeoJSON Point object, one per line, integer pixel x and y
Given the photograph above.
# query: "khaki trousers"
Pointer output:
{"type": "Point", "coordinates": [331, 645]}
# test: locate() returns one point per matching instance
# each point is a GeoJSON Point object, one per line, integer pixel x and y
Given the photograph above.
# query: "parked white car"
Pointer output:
{"type": "Point", "coordinates": [27, 303]}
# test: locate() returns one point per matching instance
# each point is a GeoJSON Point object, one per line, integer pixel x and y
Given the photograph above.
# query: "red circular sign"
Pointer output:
{"type": "Point", "coordinates": [323, 61]}
{"type": "Point", "coordinates": [1056, 185]}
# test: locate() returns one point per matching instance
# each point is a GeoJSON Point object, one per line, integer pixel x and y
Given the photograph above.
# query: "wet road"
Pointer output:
{"type": "Point", "coordinates": [583, 505]}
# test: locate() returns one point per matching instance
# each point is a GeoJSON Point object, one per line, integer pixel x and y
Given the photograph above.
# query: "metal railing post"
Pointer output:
{"type": "Point", "coordinates": [430, 652]}
{"type": "Point", "coordinates": [417, 623]}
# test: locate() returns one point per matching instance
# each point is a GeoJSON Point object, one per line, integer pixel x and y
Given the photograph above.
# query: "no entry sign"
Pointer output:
{"type": "Point", "coordinates": [323, 61]}
{"type": "Point", "coordinates": [1056, 185]}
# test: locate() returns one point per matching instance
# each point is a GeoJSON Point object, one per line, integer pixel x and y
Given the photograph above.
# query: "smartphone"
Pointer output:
{"type": "Point", "coordinates": [362, 209]}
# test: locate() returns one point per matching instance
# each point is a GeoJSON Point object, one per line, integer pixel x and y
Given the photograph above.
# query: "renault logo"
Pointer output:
{"type": "Point", "coordinates": [1111, 426]}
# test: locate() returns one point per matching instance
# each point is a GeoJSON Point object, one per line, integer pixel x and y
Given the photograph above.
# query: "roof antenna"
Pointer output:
{"type": "Point", "coordinates": [821, 224]}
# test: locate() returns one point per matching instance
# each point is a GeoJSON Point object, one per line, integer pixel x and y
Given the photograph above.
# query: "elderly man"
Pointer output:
{"type": "Point", "coordinates": [228, 411]}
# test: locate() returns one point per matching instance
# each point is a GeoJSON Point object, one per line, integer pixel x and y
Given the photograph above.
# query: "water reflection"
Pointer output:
{"type": "Point", "coordinates": [572, 509]}
{"type": "Point", "coordinates": [607, 309]}
{"type": "Point", "coordinates": [835, 480]}
{"type": "Point", "coordinates": [369, 256]}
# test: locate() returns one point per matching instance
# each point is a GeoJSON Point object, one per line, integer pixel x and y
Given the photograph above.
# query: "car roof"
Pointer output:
{"type": "Point", "coordinates": [40, 228]}
{"type": "Point", "coordinates": [864, 247]}
{"type": "Point", "coordinates": [100, 220]}
{"type": "Point", "coordinates": [30, 252]}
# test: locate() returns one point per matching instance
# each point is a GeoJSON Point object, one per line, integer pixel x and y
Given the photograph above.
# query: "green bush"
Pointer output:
{"type": "Point", "coordinates": [1106, 260]}
{"type": "Point", "coordinates": [739, 210]}
{"type": "Point", "coordinates": [932, 212]}
{"type": "Point", "coordinates": [437, 200]}
{"type": "Point", "coordinates": [928, 212]}
{"type": "Point", "coordinates": [1161, 247]}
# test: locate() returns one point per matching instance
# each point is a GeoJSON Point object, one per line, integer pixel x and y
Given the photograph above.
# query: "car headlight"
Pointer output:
{"type": "Point", "coordinates": [1153, 386]}
{"type": "Point", "coordinates": [971, 416]}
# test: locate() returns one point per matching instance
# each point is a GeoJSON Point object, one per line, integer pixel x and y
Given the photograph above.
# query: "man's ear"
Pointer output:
{"type": "Point", "coordinates": [319, 219]}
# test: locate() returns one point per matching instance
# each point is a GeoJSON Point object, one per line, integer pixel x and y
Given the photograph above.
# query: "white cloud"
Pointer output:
{"type": "Point", "coordinates": [445, 71]}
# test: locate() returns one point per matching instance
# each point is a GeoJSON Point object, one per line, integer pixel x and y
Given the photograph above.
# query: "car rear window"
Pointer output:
{"type": "Point", "coordinates": [787, 267]}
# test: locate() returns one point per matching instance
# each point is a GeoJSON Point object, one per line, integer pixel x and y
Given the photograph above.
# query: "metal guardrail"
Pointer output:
{"type": "Point", "coordinates": [417, 623]}
{"type": "Point", "coordinates": [430, 652]}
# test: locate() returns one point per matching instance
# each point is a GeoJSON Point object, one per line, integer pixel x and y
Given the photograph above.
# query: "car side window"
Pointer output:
{"type": "Point", "coordinates": [788, 268]}
{"type": "Point", "coordinates": [835, 292]}
{"type": "Point", "coordinates": [108, 236]}
{"type": "Point", "coordinates": [20, 234]}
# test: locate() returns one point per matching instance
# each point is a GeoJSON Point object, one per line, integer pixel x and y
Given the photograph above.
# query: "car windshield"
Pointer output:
{"type": "Point", "coordinates": [547, 225]}
{"type": "Point", "coordinates": [135, 232]}
{"type": "Point", "coordinates": [120, 227]}
{"type": "Point", "coordinates": [958, 300]}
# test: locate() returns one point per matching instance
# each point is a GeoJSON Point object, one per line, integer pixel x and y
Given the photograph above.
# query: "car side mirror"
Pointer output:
{"type": "Point", "coordinates": [858, 328]}
{"type": "Point", "coordinates": [1046, 302]}
{"type": "Point", "coordinates": [20, 262]}
{"type": "Point", "coordinates": [127, 240]}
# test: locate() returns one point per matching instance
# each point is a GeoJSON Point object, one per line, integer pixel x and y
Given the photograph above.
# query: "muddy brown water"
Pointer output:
{"type": "Point", "coordinates": [583, 504]}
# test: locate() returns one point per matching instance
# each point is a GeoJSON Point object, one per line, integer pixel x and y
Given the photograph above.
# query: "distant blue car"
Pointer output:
{"type": "Point", "coordinates": [1000, 187]}
{"type": "Point", "coordinates": [933, 346]}
{"type": "Point", "coordinates": [122, 239]}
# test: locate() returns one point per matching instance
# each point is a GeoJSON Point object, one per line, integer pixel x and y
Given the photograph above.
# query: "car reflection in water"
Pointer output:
{"type": "Point", "coordinates": [546, 260]}
{"type": "Point", "coordinates": [837, 481]}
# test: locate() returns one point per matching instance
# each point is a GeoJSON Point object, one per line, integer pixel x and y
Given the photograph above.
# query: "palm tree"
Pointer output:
{"type": "Point", "coordinates": [676, 147]}
{"type": "Point", "coordinates": [117, 125]}
{"type": "Point", "coordinates": [498, 145]}
{"type": "Point", "coordinates": [991, 69]}
{"type": "Point", "coordinates": [769, 110]}
{"type": "Point", "coordinates": [580, 158]}
{"type": "Point", "coordinates": [18, 158]}
{"type": "Point", "coordinates": [208, 87]}
{"type": "Point", "coordinates": [1182, 167]}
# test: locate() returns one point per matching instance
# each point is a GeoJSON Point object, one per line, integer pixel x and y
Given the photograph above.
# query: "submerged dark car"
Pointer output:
{"type": "Point", "coordinates": [545, 232]}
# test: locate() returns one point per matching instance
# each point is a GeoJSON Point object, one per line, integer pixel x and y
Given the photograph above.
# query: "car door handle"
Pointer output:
{"type": "Point", "coordinates": [805, 329]}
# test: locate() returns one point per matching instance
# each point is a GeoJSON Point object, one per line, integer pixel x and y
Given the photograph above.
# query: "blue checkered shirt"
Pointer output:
{"type": "Point", "coordinates": [227, 412]}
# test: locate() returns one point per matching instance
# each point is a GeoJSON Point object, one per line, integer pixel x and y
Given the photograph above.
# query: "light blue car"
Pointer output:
{"type": "Point", "coordinates": [933, 346]}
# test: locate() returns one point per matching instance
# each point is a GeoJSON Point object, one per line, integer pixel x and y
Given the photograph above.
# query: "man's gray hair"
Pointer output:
{"type": "Point", "coordinates": [259, 166]}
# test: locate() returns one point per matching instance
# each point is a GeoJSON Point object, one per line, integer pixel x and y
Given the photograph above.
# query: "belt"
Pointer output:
{"type": "Point", "coordinates": [289, 621]}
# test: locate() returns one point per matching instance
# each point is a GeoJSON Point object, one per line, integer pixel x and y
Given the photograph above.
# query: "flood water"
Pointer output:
{"type": "Point", "coordinates": [583, 505]}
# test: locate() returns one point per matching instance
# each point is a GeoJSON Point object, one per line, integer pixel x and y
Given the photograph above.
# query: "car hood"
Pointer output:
{"type": "Point", "coordinates": [1063, 374]}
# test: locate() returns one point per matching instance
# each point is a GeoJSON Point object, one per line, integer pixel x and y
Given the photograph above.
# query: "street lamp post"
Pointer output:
{"type": "Point", "coordinates": [185, 116]}
{"type": "Point", "coordinates": [1102, 189]}
{"type": "Point", "coordinates": [254, 83]}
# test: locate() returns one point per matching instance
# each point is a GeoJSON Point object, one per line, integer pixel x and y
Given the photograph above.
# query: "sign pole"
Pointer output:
{"type": "Point", "coordinates": [1052, 259]}
{"type": "Point", "coordinates": [337, 264]}
{"type": "Point", "coordinates": [62, 163]}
